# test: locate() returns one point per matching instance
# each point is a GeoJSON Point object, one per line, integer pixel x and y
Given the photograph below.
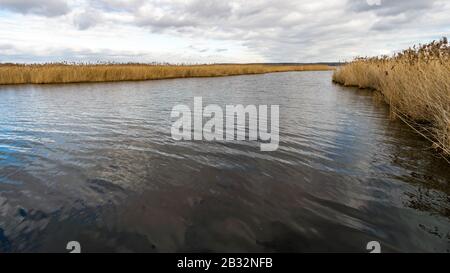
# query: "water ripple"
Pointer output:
{"type": "Point", "coordinates": [96, 163]}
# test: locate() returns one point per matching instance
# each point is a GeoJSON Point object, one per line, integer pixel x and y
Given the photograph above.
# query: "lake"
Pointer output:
{"type": "Point", "coordinates": [96, 163]}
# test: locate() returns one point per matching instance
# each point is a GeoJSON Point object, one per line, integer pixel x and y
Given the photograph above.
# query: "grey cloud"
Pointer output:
{"type": "Point", "coordinates": [209, 9]}
{"type": "Point", "coordinates": [219, 19]}
{"type": "Point", "coordinates": [10, 53]}
{"type": "Point", "coordinates": [391, 7]}
{"type": "Point", "coordinates": [391, 23]}
{"type": "Point", "coordinates": [87, 19]}
{"type": "Point", "coordinates": [393, 14]}
{"type": "Point", "coordinates": [164, 22]}
{"type": "Point", "coordinates": [5, 47]}
{"type": "Point", "coordinates": [198, 49]}
{"type": "Point", "coordinates": [182, 15]}
{"type": "Point", "coordinates": [48, 8]}
{"type": "Point", "coordinates": [13, 54]}
{"type": "Point", "coordinates": [117, 5]}
{"type": "Point", "coordinates": [274, 30]}
{"type": "Point", "coordinates": [289, 30]}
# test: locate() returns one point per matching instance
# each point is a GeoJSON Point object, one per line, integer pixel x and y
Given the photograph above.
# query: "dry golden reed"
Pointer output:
{"type": "Point", "coordinates": [415, 83]}
{"type": "Point", "coordinates": [75, 73]}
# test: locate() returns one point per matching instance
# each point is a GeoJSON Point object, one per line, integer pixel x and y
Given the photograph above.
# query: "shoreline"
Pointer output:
{"type": "Point", "coordinates": [417, 126]}
{"type": "Point", "coordinates": [414, 83]}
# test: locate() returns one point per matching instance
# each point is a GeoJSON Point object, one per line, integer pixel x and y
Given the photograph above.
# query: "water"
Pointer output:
{"type": "Point", "coordinates": [96, 163]}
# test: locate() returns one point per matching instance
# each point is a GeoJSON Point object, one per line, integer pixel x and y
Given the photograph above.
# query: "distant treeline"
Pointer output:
{"type": "Point", "coordinates": [296, 64]}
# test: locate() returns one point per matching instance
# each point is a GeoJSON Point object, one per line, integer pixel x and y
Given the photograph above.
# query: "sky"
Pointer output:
{"type": "Point", "coordinates": [215, 31]}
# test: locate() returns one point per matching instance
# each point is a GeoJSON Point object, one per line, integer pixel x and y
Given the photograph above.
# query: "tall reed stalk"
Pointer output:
{"type": "Point", "coordinates": [415, 83]}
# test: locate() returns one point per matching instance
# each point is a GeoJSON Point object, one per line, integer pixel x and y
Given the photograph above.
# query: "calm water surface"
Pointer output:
{"type": "Point", "coordinates": [96, 163]}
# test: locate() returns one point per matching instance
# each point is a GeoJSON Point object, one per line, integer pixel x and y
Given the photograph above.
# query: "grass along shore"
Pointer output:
{"type": "Point", "coordinates": [77, 73]}
{"type": "Point", "coordinates": [416, 85]}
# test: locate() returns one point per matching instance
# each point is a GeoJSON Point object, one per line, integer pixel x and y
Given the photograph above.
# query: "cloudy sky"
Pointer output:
{"type": "Point", "coordinates": [206, 31]}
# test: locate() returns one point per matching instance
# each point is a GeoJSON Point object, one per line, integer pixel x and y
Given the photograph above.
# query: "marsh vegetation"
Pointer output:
{"type": "Point", "coordinates": [71, 73]}
{"type": "Point", "coordinates": [415, 83]}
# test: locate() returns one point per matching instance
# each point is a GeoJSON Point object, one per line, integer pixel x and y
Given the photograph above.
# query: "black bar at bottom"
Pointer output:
{"type": "Point", "coordinates": [225, 262]}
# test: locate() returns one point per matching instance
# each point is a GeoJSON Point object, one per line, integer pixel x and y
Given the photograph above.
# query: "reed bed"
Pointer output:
{"type": "Point", "coordinates": [415, 83]}
{"type": "Point", "coordinates": [76, 73]}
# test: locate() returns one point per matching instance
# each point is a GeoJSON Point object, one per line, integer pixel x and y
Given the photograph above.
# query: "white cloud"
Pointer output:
{"type": "Point", "coordinates": [215, 30]}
